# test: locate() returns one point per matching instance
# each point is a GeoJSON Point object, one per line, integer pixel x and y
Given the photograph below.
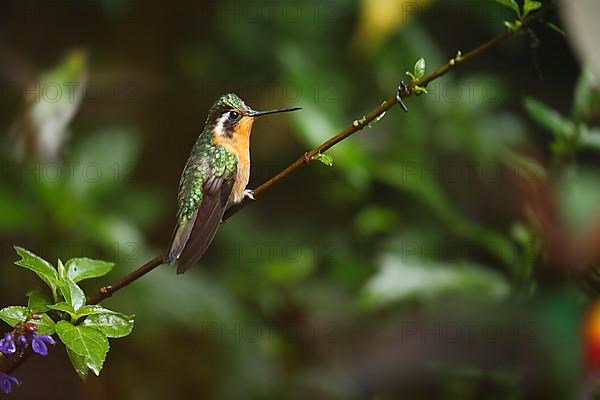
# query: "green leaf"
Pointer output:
{"type": "Point", "coordinates": [590, 139]}
{"type": "Point", "coordinates": [521, 233]}
{"type": "Point", "coordinates": [419, 69]}
{"type": "Point", "coordinates": [324, 158]}
{"type": "Point", "coordinates": [549, 119]}
{"type": "Point", "coordinates": [402, 279]}
{"type": "Point", "coordinates": [513, 26]}
{"type": "Point", "coordinates": [525, 167]}
{"type": "Point", "coordinates": [587, 96]}
{"type": "Point", "coordinates": [13, 315]}
{"type": "Point", "coordinates": [64, 307]}
{"type": "Point", "coordinates": [37, 302]}
{"type": "Point", "coordinates": [17, 314]}
{"type": "Point", "coordinates": [530, 6]}
{"type": "Point", "coordinates": [41, 267]}
{"type": "Point", "coordinates": [112, 325]}
{"type": "Point", "coordinates": [420, 90]}
{"type": "Point", "coordinates": [578, 196]}
{"type": "Point", "coordinates": [45, 326]}
{"type": "Point", "coordinates": [85, 342]}
{"type": "Point", "coordinates": [79, 269]}
{"type": "Point", "coordinates": [95, 309]}
{"type": "Point", "coordinates": [79, 363]}
{"type": "Point", "coordinates": [73, 294]}
{"type": "Point", "coordinates": [374, 220]}
{"type": "Point", "coordinates": [52, 114]}
{"type": "Point", "coordinates": [61, 270]}
{"type": "Point", "coordinates": [512, 5]}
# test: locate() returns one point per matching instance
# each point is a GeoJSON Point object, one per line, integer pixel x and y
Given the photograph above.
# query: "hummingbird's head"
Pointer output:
{"type": "Point", "coordinates": [232, 118]}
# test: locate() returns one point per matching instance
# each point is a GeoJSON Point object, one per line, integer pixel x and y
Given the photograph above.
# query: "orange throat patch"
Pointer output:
{"type": "Point", "coordinates": [238, 144]}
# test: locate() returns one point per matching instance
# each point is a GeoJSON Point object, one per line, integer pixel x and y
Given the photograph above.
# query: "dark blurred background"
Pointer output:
{"type": "Point", "coordinates": [441, 256]}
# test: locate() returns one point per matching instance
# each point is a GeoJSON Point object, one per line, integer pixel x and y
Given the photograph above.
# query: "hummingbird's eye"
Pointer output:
{"type": "Point", "coordinates": [234, 116]}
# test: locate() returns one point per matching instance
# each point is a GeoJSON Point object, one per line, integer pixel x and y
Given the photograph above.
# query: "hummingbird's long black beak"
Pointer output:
{"type": "Point", "coordinates": [254, 113]}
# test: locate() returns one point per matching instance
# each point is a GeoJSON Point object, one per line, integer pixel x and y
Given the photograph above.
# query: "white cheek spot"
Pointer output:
{"type": "Point", "coordinates": [220, 123]}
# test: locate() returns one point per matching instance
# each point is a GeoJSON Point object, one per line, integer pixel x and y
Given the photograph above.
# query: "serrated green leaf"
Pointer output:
{"type": "Point", "coordinates": [324, 158]}
{"type": "Point", "coordinates": [79, 269]}
{"type": "Point", "coordinates": [13, 315]}
{"type": "Point", "coordinates": [512, 5]}
{"type": "Point", "coordinates": [41, 267]}
{"type": "Point", "coordinates": [72, 293]}
{"type": "Point", "coordinates": [95, 309]}
{"type": "Point", "coordinates": [112, 325]}
{"type": "Point", "coordinates": [45, 326]}
{"type": "Point", "coordinates": [530, 6]}
{"type": "Point", "coordinates": [420, 68]}
{"type": "Point", "coordinates": [86, 342]}
{"type": "Point", "coordinates": [37, 302]}
{"type": "Point", "coordinates": [548, 118]}
{"type": "Point", "coordinates": [79, 364]}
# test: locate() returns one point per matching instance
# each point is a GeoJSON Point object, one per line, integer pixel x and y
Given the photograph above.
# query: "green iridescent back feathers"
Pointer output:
{"type": "Point", "coordinates": [204, 189]}
{"type": "Point", "coordinates": [206, 159]}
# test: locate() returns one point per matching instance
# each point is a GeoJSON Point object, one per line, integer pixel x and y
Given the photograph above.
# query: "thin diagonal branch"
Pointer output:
{"type": "Point", "coordinates": [356, 126]}
{"type": "Point", "coordinates": [359, 124]}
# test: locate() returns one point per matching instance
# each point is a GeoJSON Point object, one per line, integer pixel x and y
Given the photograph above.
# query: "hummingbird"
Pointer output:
{"type": "Point", "coordinates": [215, 176]}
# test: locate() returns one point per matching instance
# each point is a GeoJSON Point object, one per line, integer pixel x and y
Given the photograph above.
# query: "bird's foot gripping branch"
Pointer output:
{"type": "Point", "coordinates": [83, 328]}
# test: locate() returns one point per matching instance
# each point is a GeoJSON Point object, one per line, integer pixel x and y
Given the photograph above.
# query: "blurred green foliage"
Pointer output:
{"type": "Point", "coordinates": [420, 220]}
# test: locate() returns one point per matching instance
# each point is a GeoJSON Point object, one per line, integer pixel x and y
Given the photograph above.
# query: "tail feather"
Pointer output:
{"type": "Point", "coordinates": [191, 240]}
{"type": "Point", "coordinates": [181, 235]}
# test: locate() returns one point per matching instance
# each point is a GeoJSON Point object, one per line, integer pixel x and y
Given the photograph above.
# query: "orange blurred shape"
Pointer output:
{"type": "Point", "coordinates": [591, 339]}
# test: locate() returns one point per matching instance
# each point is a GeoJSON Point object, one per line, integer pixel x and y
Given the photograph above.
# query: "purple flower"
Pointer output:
{"type": "Point", "coordinates": [39, 342]}
{"type": "Point", "coordinates": [6, 382]}
{"type": "Point", "coordinates": [22, 340]}
{"type": "Point", "coordinates": [7, 344]}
